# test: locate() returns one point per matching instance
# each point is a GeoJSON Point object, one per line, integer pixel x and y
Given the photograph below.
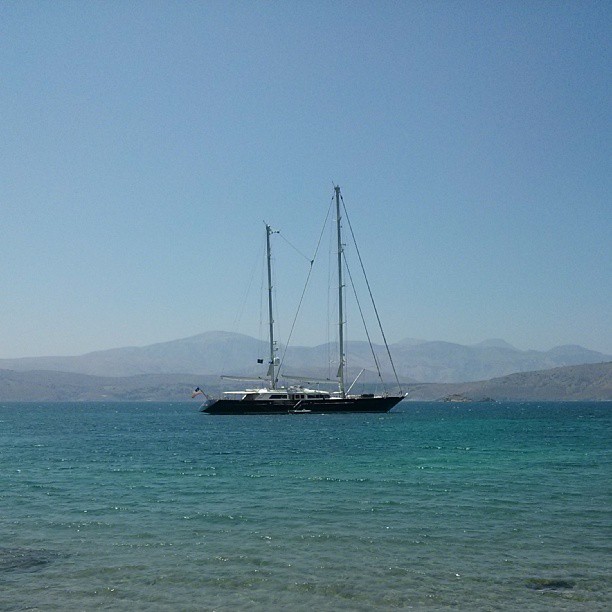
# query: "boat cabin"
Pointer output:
{"type": "Point", "coordinates": [289, 395]}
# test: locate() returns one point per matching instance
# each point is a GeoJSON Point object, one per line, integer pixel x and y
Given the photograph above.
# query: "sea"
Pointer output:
{"type": "Point", "coordinates": [433, 506]}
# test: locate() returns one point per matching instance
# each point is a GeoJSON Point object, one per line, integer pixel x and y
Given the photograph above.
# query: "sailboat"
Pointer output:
{"type": "Point", "coordinates": [298, 399]}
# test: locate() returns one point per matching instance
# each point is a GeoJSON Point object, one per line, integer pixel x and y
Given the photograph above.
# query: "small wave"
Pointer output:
{"type": "Point", "coordinates": [25, 559]}
{"type": "Point", "coordinates": [547, 584]}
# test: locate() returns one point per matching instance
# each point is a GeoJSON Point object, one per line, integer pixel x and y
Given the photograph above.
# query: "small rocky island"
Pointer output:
{"type": "Point", "coordinates": [460, 397]}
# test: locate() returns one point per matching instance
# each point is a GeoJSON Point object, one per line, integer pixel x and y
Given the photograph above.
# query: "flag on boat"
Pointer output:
{"type": "Point", "coordinates": [197, 391]}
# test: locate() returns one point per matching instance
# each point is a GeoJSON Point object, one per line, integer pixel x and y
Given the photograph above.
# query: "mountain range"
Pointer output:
{"type": "Point", "coordinates": [215, 353]}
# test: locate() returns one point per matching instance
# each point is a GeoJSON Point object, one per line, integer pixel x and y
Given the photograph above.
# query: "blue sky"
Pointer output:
{"type": "Point", "coordinates": [142, 144]}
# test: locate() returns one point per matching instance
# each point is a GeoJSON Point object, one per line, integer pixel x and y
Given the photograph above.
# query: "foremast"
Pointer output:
{"type": "Point", "coordinates": [341, 356]}
{"type": "Point", "coordinates": [272, 361]}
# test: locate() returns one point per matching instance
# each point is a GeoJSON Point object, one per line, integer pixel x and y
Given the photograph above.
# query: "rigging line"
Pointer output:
{"type": "Point", "coordinates": [252, 275]}
{"type": "Point", "coordinates": [365, 327]}
{"type": "Point", "coordinates": [295, 248]}
{"type": "Point", "coordinates": [371, 296]}
{"type": "Point", "coordinates": [245, 297]}
{"type": "Point", "coordinates": [304, 290]}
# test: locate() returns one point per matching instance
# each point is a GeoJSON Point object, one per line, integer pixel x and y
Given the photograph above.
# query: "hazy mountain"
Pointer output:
{"type": "Point", "coordinates": [214, 353]}
{"type": "Point", "coordinates": [411, 341]}
{"type": "Point", "coordinates": [448, 362]}
{"type": "Point", "coordinates": [585, 382]}
{"type": "Point", "coordinates": [495, 343]}
{"type": "Point", "coordinates": [208, 353]}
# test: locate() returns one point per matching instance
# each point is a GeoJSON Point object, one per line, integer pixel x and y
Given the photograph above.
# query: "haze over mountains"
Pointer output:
{"type": "Point", "coordinates": [592, 382]}
{"type": "Point", "coordinates": [215, 353]}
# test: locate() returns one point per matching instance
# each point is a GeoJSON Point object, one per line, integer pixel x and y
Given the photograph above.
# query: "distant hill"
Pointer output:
{"type": "Point", "coordinates": [495, 343]}
{"type": "Point", "coordinates": [214, 353]}
{"type": "Point", "coordinates": [569, 383]}
{"type": "Point", "coordinates": [48, 386]}
{"type": "Point", "coordinates": [584, 382]}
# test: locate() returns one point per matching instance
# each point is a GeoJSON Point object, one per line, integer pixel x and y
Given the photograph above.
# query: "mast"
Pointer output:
{"type": "Point", "coordinates": [340, 299]}
{"type": "Point", "coordinates": [271, 368]}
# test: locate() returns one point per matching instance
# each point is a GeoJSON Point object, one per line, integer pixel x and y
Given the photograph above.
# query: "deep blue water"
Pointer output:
{"type": "Point", "coordinates": [432, 506]}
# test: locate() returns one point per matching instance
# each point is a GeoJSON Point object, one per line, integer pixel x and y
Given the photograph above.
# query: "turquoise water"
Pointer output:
{"type": "Point", "coordinates": [432, 506]}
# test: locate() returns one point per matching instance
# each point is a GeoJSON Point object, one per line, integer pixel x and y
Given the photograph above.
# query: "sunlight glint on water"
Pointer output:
{"type": "Point", "coordinates": [156, 506]}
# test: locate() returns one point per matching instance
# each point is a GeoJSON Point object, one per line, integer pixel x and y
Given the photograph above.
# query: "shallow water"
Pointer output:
{"type": "Point", "coordinates": [432, 506]}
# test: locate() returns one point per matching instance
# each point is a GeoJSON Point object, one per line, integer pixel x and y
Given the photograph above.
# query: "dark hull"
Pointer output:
{"type": "Point", "coordinates": [328, 406]}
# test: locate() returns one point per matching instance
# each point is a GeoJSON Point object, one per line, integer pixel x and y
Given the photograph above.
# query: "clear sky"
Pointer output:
{"type": "Point", "coordinates": [142, 144]}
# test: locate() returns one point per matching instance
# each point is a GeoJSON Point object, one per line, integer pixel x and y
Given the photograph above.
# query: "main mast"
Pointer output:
{"type": "Point", "coordinates": [271, 368]}
{"type": "Point", "coordinates": [340, 299]}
